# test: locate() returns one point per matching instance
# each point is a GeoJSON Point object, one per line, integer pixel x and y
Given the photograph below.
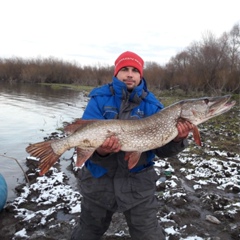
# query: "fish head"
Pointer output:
{"type": "Point", "coordinates": [200, 110]}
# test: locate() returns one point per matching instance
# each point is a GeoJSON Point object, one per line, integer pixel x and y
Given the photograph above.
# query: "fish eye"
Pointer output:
{"type": "Point", "coordinates": [206, 100]}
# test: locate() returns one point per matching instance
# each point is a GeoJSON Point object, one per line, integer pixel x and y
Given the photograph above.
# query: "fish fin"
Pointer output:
{"type": "Point", "coordinates": [132, 158]}
{"type": "Point", "coordinates": [83, 155]}
{"type": "Point", "coordinates": [196, 135]}
{"type": "Point", "coordinates": [45, 153]}
{"type": "Point", "coordinates": [73, 127]}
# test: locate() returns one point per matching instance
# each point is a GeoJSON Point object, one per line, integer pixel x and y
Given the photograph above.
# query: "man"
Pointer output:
{"type": "Point", "coordinates": [107, 185]}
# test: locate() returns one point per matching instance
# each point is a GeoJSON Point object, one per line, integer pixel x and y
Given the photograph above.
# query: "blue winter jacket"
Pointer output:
{"type": "Point", "coordinates": [105, 103]}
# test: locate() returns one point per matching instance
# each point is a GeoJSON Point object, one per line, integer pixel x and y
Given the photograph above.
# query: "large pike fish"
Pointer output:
{"type": "Point", "coordinates": [135, 136]}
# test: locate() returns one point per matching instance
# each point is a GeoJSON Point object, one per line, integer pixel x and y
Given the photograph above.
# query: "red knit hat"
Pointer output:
{"type": "Point", "coordinates": [130, 59]}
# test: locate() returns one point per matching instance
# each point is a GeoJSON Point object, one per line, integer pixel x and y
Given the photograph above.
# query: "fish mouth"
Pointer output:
{"type": "Point", "coordinates": [206, 108]}
{"type": "Point", "coordinates": [219, 105]}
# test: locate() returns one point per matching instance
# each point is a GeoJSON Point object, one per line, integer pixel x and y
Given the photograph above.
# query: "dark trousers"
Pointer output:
{"type": "Point", "coordinates": [141, 220]}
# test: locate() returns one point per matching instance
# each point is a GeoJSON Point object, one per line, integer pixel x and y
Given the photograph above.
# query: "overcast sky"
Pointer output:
{"type": "Point", "coordinates": [95, 32]}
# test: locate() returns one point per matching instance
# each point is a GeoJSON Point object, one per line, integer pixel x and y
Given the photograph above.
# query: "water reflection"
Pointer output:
{"type": "Point", "coordinates": [29, 113]}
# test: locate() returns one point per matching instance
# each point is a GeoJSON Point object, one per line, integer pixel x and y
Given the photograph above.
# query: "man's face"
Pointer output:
{"type": "Point", "coordinates": [130, 76]}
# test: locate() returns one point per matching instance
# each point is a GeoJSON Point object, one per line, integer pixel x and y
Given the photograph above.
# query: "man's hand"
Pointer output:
{"type": "Point", "coordinates": [110, 145]}
{"type": "Point", "coordinates": [184, 127]}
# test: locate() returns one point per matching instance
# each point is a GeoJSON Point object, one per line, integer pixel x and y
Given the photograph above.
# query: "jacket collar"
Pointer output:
{"type": "Point", "coordinates": [120, 89]}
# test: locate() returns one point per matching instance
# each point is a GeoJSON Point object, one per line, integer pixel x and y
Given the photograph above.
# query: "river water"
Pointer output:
{"type": "Point", "coordinates": [30, 112]}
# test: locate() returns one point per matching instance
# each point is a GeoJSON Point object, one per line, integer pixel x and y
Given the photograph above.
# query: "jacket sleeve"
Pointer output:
{"type": "Point", "coordinates": [97, 164]}
{"type": "Point", "coordinates": [171, 149]}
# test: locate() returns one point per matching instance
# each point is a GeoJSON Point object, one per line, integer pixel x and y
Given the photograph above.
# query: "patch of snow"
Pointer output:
{"type": "Point", "coordinates": [196, 186]}
{"type": "Point", "coordinates": [120, 233]}
{"type": "Point", "coordinates": [22, 233]}
{"type": "Point", "coordinates": [171, 231]}
{"type": "Point", "coordinates": [192, 238]}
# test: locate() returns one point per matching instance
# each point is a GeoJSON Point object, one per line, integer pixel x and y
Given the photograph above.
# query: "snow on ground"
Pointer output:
{"type": "Point", "coordinates": [51, 193]}
{"type": "Point", "coordinates": [215, 168]}
{"type": "Point", "coordinates": [199, 187]}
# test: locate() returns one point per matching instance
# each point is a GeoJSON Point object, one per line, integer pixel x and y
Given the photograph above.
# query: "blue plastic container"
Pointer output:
{"type": "Point", "coordinates": [3, 192]}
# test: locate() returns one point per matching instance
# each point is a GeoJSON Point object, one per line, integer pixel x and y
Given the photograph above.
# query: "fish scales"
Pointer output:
{"type": "Point", "coordinates": [149, 133]}
{"type": "Point", "coordinates": [134, 135]}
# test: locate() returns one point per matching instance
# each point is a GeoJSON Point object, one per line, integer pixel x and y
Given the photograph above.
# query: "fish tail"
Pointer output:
{"type": "Point", "coordinates": [45, 153]}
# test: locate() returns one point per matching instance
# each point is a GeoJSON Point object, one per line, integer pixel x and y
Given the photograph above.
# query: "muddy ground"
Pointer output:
{"type": "Point", "coordinates": [198, 193]}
